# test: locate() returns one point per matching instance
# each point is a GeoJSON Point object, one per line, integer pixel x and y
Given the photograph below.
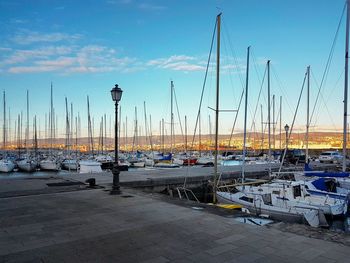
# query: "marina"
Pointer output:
{"type": "Point", "coordinates": [63, 225]}
{"type": "Point", "coordinates": [125, 137]}
{"type": "Point", "coordinates": [187, 183]}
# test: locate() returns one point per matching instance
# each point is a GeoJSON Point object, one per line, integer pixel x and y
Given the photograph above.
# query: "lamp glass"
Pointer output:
{"type": "Point", "coordinates": [286, 128]}
{"type": "Point", "coordinates": [116, 93]}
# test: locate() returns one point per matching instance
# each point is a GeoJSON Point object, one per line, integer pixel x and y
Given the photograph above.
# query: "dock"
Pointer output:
{"type": "Point", "coordinates": [157, 179]}
{"type": "Point", "coordinates": [54, 219]}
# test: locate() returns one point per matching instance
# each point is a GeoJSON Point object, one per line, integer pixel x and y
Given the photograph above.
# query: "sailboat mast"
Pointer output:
{"type": "Point", "coordinates": [4, 126]}
{"type": "Point", "coordinates": [163, 136]}
{"type": "Point", "coordinates": [307, 115]}
{"type": "Point", "coordinates": [8, 129]}
{"type": "Point", "coordinates": [150, 134]}
{"type": "Point", "coordinates": [145, 115]}
{"type": "Point", "coordinates": [71, 125]}
{"type": "Point", "coordinates": [217, 107]}
{"type": "Point", "coordinates": [210, 134]}
{"type": "Point", "coordinates": [186, 135]}
{"type": "Point", "coordinates": [105, 131]}
{"type": "Point", "coordinates": [101, 134]}
{"type": "Point", "coordinates": [27, 124]}
{"type": "Point", "coordinates": [245, 117]}
{"type": "Point", "coordinates": [172, 116]}
{"type": "Point", "coordinates": [136, 129]}
{"type": "Point", "coordinates": [90, 128]}
{"type": "Point", "coordinates": [19, 131]}
{"type": "Point", "coordinates": [76, 137]}
{"type": "Point", "coordinates": [35, 138]}
{"type": "Point", "coordinates": [126, 131]}
{"type": "Point", "coordinates": [280, 122]}
{"type": "Point", "coordinates": [268, 109]}
{"type": "Point", "coordinates": [262, 128]}
{"type": "Point", "coordinates": [346, 83]}
{"type": "Point", "coordinates": [51, 119]}
{"type": "Point", "coordinates": [67, 127]}
{"type": "Point", "coordinates": [119, 122]}
{"type": "Point", "coordinates": [273, 122]}
{"type": "Point", "coordinates": [200, 135]}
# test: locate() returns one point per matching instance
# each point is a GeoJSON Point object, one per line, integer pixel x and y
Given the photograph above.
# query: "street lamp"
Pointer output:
{"type": "Point", "coordinates": [286, 128]}
{"type": "Point", "coordinates": [116, 93]}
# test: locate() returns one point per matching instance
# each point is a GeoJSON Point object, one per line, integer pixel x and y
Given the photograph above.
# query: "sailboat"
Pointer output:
{"type": "Point", "coordinates": [90, 165]}
{"type": "Point", "coordinates": [321, 180]}
{"type": "Point", "coordinates": [50, 163]}
{"type": "Point", "coordinates": [284, 200]}
{"type": "Point", "coordinates": [136, 158]}
{"type": "Point", "coordinates": [279, 199]}
{"type": "Point", "coordinates": [70, 163]}
{"type": "Point", "coordinates": [27, 164]}
{"type": "Point", "coordinates": [168, 160]}
{"type": "Point", "coordinates": [6, 165]}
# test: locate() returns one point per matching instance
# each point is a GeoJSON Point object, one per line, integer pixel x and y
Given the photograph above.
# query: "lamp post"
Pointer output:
{"type": "Point", "coordinates": [116, 93]}
{"type": "Point", "coordinates": [286, 128]}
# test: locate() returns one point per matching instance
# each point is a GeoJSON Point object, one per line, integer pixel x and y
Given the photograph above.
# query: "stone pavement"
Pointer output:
{"type": "Point", "coordinates": [93, 226]}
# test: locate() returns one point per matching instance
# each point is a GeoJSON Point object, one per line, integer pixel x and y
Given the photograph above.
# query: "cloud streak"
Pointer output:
{"type": "Point", "coordinates": [68, 60]}
{"type": "Point", "coordinates": [145, 5]}
{"type": "Point", "coordinates": [177, 63]}
{"type": "Point", "coordinates": [30, 37]}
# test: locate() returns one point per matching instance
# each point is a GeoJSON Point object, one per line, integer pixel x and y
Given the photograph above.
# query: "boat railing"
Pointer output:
{"type": "Point", "coordinates": [256, 182]}
{"type": "Point", "coordinates": [283, 174]}
{"type": "Point", "coordinates": [186, 191]}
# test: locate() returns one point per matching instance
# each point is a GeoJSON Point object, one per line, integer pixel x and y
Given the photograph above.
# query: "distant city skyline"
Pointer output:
{"type": "Point", "coordinates": [86, 47]}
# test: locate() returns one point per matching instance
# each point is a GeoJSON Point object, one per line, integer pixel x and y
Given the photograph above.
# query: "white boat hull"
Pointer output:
{"type": "Point", "coordinates": [6, 166]}
{"type": "Point", "coordinates": [166, 165]}
{"type": "Point", "coordinates": [138, 164]}
{"type": "Point", "coordinates": [27, 166]}
{"type": "Point", "coordinates": [90, 167]}
{"type": "Point", "coordinates": [70, 165]}
{"type": "Point", "coordinates": [50, 165]}
{"type": "Point", "coordinates": [309, 214]}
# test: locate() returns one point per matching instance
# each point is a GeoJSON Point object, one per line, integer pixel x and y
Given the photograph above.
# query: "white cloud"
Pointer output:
{"type": "Point", "coordinates": [90, 69]}
{"type": "Point", "coordinates": [171, 59]}
{"type": "Point", "coordinates": [5, 49]}
{"type": "Point", "coordinates": [29, 37]}
{"type": "Point", "coordinates": [146, 6]}
{"type": "Point", "coordinates": [177, 62]}
{"type": "Point", "coordinates": [59, 62]}
{"type": "Point", "coordinates": [153, 7]}
{"type": "Point", "coordinates": [31, 69]}
{"type": "Point", "coordinates": [119, 2]}
{"type": "Point", "coordinates": [19, 56]}
{"type": "Point", "coordinates": [183, 66]}
{"type": "Point", "coordinates": [18, 21]}
{"type": "Point", "coordinates": [68, 60]}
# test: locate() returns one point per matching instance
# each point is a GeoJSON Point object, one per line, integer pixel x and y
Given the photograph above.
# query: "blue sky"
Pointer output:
{"type": "Point", "coordinates": [85, 47]}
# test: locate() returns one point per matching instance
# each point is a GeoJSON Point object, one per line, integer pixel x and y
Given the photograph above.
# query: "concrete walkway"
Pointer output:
{"type": "Point", "coordinates": [93, 226]}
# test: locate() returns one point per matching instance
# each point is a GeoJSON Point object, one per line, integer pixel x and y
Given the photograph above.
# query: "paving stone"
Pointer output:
{"type": "Point", "coordinates": [251, 257]}
{"type": "Point", "coordinates": [230, 239]}
{"type": "Point", "coordinates": [220, 249]}
{"type": "Point", "coordinates": [156, 260]}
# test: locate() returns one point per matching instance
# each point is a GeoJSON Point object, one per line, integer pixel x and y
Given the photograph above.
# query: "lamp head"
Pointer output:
{"type": "Point", "coordinates": [116, 93]}
{"type": "Point", "coordinates": [286, 128]}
